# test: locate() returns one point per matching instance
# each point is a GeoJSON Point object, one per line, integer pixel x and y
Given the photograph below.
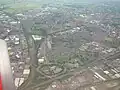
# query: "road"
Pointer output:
{"type": "Point", "coordinates": [101, 83]}
{"type": "Point", "coordinates": [31, 46]}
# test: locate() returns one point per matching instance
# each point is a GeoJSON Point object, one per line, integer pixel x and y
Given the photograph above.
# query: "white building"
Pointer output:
{"type": "Point", "coordinates": [36, 37]}
{"type": "Point", "coordinates": [17, 42]}
{"type": "Point", "coordinates": [41, 60]}
{"type": "Point", "coordinates": [26, 71]}
{"type": "Point", "coordinates": [21, 81]}
{"type": "Point", "coordinates": [17, 82]}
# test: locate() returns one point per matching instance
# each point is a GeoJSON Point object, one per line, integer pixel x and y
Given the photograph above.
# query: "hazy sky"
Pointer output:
{"type": "Point", "coordinates": [84, 0]}
{"type": "Point", "coordinates": [95, 0]}
{"type": "Point", "coordinates": [74, 1]}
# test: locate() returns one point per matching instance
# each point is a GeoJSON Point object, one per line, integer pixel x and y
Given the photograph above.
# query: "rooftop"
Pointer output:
{"type": "Point", "coordinates": [36, 37]}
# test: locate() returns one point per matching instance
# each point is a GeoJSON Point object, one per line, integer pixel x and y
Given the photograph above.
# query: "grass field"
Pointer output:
{"type": "Point", "coordinates": [21, 7]}
{"type": "Point", "coordinates": [6, 1]}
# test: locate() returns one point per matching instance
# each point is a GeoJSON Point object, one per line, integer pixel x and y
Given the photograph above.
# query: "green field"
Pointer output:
{"type": "Point", "coordinates": [21, 7]}
{"type": "Point", "coordinates": [6, 1]}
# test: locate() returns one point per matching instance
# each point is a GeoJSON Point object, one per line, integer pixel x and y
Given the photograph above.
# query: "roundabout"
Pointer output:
{"type": "Point", "coordinates": [51, 70]}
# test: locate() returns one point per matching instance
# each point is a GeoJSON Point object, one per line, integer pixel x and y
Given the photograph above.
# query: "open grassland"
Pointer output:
{"type": "Point", "coordinates": [6, 1]}
{"type": "Point", "coordinates": [21, 7]}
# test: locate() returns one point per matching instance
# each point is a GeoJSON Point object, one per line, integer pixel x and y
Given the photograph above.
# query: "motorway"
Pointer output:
{"type": "Point", "coordinates": [31, 46]}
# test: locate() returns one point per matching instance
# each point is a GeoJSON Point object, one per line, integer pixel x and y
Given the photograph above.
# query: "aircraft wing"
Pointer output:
{"type": "Point", "coordinates": [6, 82]}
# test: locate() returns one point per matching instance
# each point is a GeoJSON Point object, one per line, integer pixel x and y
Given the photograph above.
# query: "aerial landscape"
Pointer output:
{"type": "Point", "coordinates": [62, 44]}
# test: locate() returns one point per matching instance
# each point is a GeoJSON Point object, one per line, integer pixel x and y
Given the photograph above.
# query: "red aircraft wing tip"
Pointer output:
{"type": "Point", "coordinates": [0, 83]}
